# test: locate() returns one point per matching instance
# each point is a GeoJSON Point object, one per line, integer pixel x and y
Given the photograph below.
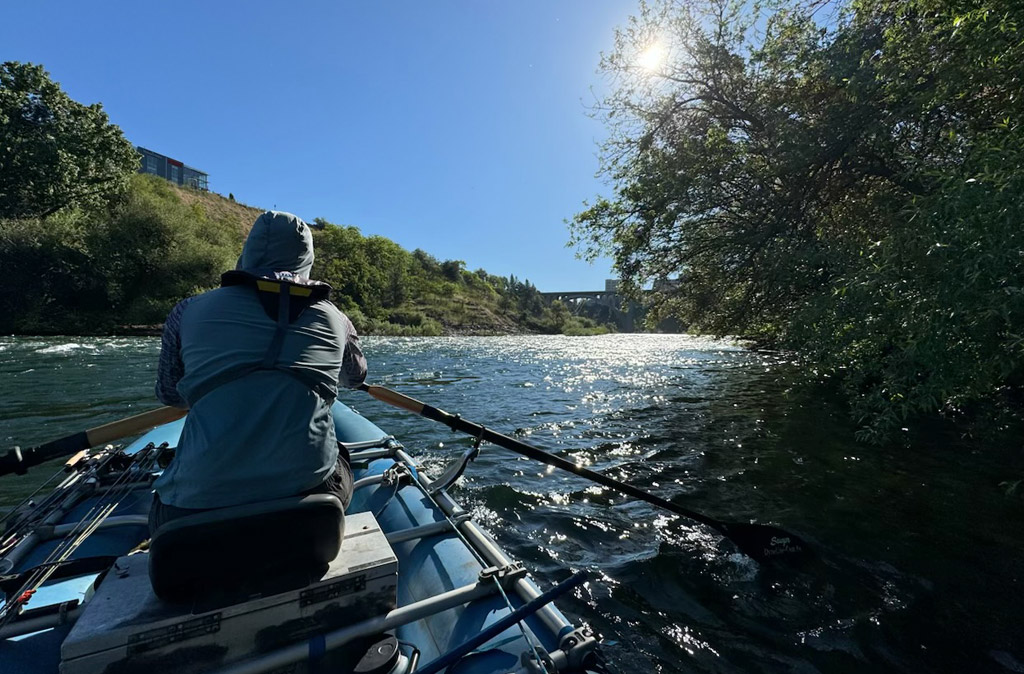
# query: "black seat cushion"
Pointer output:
{"type": "Point", "coordinates": [245, 548]}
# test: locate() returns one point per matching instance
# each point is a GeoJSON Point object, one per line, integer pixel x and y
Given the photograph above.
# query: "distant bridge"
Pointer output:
{"type": "Point", "coordinates": [604, 296]}
{"type": "Point", "coordinates": [609, 296]}
{"type": "Point", "coordinates": [608, 306]}
{"type": "Point", "coordinates": [604, 306]}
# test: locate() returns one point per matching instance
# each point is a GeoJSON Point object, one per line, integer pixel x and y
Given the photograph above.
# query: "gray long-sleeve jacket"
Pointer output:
{"type": "Point", "coordinates": [255, 432]}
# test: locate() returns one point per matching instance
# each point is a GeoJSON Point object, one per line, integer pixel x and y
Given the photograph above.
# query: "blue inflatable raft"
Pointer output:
{"type": "Point", "coordinates": [417, 585]}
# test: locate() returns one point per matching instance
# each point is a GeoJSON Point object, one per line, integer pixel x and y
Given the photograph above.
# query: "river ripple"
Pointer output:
{"type": "Point", "coordinates": [922, 554]}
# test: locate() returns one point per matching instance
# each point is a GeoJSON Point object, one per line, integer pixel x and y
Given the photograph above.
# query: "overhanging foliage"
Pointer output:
{"type": "Point", "coordinates": [841, 180]}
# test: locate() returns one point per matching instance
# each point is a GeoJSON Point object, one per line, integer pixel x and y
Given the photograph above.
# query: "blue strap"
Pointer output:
{"type": "Point", "coordinates": [317, 648]}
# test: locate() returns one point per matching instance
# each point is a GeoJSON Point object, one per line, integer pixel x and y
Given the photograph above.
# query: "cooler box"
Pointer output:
{"type": "Point", "coordinates": [126, 629]}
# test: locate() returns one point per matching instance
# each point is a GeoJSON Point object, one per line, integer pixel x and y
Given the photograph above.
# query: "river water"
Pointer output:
{"type": "Point", "coordinates": [921, 553]}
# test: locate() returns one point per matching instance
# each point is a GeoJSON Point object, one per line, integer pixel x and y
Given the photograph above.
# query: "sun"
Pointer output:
{"type": "Point", "coordinates": [653, 57]}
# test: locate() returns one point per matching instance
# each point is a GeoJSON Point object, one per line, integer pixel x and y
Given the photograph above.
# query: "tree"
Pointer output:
{"type": "Point", "coordinates": [847, 189]}
{"type": "Point", "coordinates": [427, 262]}
{"type": "Point", "coordinates": [77, 272]}
{"type": "Point", "coordinates": [55, 153]}
{"type": "Point", "coordinates": [452, 270]}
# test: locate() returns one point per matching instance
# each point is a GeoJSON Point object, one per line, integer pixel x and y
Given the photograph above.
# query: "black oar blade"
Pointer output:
{"type": "Point", "coordinates": [765, 543]}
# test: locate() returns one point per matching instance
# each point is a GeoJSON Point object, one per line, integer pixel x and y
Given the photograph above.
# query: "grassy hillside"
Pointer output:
{"type": "Point", "coordinates": [217, 208]}
{"type": "Point", "coordinates": [122, 269]}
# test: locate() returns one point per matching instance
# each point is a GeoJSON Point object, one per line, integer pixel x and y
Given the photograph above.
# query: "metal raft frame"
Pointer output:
{"type": "Point", "coordinates": [575, 652]}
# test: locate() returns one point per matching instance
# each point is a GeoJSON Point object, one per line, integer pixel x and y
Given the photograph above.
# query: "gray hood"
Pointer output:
{"type": "Point", "coordinates": [277, 242]}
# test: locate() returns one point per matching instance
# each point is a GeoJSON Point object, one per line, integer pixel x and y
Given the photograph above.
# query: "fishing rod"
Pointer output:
{"type": "Point", "coordinates": [763, 543]}
{"type": "Point", "coordinates": [72, 489]}
{"type": "Point", "coordinates": [141, 463]}
{"type": "Point", "coordinates": [19, 509]}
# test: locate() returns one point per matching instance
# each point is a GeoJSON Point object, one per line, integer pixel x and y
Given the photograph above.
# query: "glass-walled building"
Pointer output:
{"type": "Point", "coordinates": [171, 169]}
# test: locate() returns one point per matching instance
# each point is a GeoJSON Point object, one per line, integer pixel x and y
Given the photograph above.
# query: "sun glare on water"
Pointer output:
{"type": "Point", "coordinates": [653, 57]}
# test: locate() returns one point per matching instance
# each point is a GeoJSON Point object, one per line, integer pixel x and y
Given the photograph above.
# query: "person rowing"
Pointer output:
{"type": "Point", "coordinates": [257, 362]}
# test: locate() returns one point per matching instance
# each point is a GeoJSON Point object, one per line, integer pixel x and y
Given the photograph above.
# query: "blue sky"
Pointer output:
{"type": "Point", "coordinates": [455, 126]}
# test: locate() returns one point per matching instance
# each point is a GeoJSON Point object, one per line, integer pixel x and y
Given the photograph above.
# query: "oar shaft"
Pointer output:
{"type": "Point", "coordinates": [761, 542]}
{"type": "Point", "coordinates": [457, 423]}
{"type": "Point", "coordinates": [19, 460]}
{"type": "Point", "coordinates": [396, 399]}
{"type": "Point", "coordinates": [116, 430]}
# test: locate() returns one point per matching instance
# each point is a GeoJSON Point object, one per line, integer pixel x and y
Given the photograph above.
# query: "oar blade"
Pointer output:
{"type": "Point", "coordinates": [767, 544]}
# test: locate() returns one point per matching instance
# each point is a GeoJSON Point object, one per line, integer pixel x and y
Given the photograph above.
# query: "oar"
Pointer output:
{"type": "Point", "coordinates": [761, 542]}
{"type": "Point", "coordinates": [19, 460]}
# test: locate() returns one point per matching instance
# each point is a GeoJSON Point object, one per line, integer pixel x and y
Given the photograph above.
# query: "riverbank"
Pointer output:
{"type": "Point", "coordinates": [121, 270]}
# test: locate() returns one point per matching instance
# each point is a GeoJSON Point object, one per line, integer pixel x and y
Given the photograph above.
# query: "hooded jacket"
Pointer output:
{"type": "Point", "coordinates": [259, 424]}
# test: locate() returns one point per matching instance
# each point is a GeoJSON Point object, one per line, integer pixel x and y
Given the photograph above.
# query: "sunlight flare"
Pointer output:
{"type": "Point", "coordinates": [653, 57]}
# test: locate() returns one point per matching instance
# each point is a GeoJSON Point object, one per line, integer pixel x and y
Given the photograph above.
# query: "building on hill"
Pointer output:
{"type": "Point", "coordinates": [171, 169]}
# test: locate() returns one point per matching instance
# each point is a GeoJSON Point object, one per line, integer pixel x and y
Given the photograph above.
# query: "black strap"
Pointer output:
{"type": "Point", "coordinates": [274, 350]}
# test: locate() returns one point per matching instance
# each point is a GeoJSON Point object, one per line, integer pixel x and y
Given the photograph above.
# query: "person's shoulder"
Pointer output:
{"type": "Point", "coordinates": [179, 308]}
{"type": "Point", "coordinates": [217, 293]}
{"type": "Point", "coordinates": [332, 314]}
{"type": "Point", "coordinates": [201, 299]}
{"type": "Point", "coordinates": [172, 324]}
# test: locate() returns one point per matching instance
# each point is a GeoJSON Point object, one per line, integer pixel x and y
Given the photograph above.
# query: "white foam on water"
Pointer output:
{"type": "Point", "coordinates": [66, 348]}
{"type": "Point", "coordinates": [745, 569]}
